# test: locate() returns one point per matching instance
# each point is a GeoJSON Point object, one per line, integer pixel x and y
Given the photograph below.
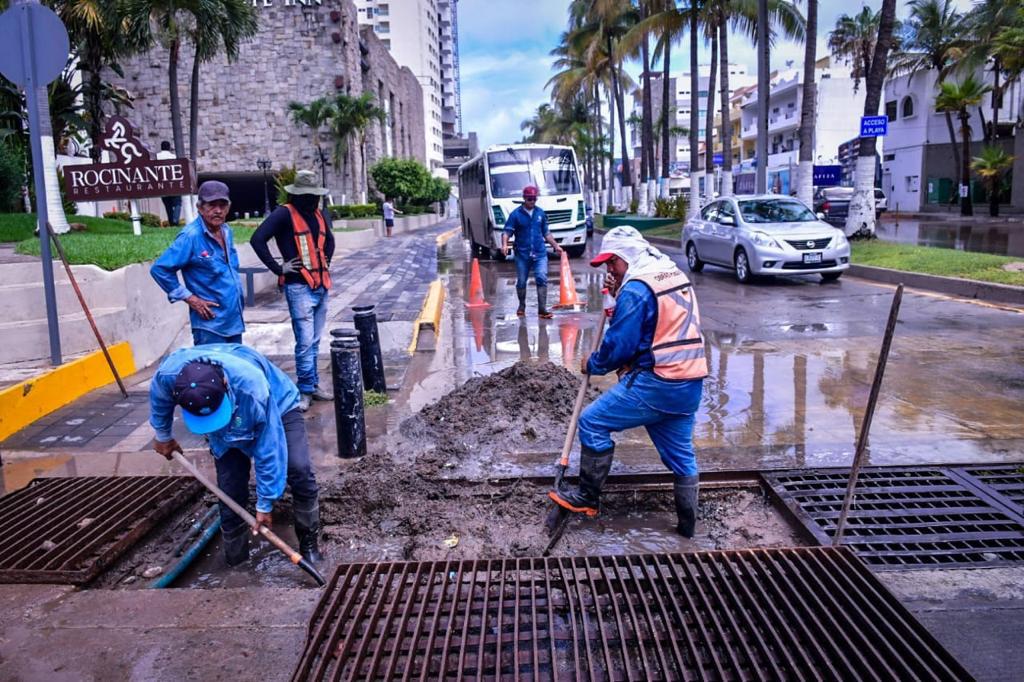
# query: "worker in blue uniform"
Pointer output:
{"type": "Point", "coordinates": [247, 409]}
{"type": "Point", "coordinates": [528, 224]}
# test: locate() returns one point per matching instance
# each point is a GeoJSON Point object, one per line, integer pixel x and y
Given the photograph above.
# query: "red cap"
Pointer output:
{"type": "Point", "coordinates": [530, 191]}
{"type": "Point", "coordinates": [601, 258]}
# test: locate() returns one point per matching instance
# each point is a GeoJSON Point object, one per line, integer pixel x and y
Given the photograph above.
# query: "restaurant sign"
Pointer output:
{"type": "Point", "coordinates": [135, 172]}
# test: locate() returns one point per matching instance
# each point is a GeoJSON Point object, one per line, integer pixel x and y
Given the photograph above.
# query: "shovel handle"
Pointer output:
{"type": "Point", "coordinates": [581, 395]}
{"type": "Point", "coordinates": [271, 537]}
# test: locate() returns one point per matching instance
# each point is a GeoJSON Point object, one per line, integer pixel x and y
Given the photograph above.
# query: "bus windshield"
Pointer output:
{"type": "Point", "coordinates": [551, 170]}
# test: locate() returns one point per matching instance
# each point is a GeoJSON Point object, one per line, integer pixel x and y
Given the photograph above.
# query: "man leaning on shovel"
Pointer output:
{"type": "Point", "coordinates": [247, 409]}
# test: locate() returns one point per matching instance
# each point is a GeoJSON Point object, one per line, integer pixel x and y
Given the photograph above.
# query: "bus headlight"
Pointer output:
{"type": "Point", "coordinates": [499, 215]}
{"type": "Point", "coordinates": [580, 211]}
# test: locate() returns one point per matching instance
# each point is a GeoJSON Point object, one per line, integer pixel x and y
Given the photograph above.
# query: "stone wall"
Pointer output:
{"type": "Point", "coordinates": [300, 53]}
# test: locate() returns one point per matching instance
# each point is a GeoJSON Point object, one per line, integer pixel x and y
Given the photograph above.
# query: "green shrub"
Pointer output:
{"type": "Point", "coordinates": [118, 215]}
{"type": "Point", "coordinates": [151, 220]}
{"type": "Point", "coordinates": [674, 207]}
{"type": "Point", "coordinates": [354, 211]}
{"type": "Point", "coordinates": [402, 179]}
{"type": "Point", "coordinates": [633, 206]}
{"type": "Point", "coordinates": [12, 178]}
{"type": "Point", "coordinates": [285, 176]}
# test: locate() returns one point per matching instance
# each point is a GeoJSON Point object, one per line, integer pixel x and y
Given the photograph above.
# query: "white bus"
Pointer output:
{"type": "Point", "coordinates": [491, 186]}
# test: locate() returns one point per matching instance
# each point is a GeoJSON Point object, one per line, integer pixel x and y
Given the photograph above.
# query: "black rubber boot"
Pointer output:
{"type": "Point", "coordinates": [542, 303]}
{"type": "Point", "coordinates": [594, 468]}
{"type": "Point", "coordinates": [521, 310]}
{"type": "Point", "coordinates": [307, 530]}
{"type": "Point", "coordinates": [236, 545]}
{"type": "Point", "coordinates": [685, 491]}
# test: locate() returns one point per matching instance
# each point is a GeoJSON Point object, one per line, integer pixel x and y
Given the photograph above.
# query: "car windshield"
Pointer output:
{"type": "Point", "coordinates": [552, 170]}
{"type": "Point", "coordinates": [775, 211]}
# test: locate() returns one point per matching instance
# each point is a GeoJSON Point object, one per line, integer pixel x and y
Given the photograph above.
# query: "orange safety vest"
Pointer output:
{"type": "Point", "coordinates": [314, 263]}
{"type": "Point", "coordinates": [678, 346]}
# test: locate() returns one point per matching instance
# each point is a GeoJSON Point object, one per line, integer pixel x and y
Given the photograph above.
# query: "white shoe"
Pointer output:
{"type": "Point", "coordinates": [304, 399]}
{"type": "Point", "coordinates": [320, 394]}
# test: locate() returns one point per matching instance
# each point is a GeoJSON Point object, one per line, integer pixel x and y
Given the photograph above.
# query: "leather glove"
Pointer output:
{"type": "Point", "coordinates": [292, 266]}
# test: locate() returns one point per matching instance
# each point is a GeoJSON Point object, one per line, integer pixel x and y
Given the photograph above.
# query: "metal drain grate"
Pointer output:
{"type": "Point", "coordinates": [67, 530]}
{"type": "Point", "coordinates": [906, 517]}
{"type": "Point", "coordinates": [1004, 481]}
{"type": "Point", "coordinates": [808, 613]}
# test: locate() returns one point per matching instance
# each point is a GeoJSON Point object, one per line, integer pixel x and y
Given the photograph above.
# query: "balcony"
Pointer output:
{"type": "Point", "coordinates": [784, 121]}
{"type": "Point", "coordinates": [783, 159]}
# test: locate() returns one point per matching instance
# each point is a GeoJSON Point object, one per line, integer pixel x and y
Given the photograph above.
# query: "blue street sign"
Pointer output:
{"type": "Point", "coordinates": [716, 159]}
{"type": "Point", "coordinates": [874, 126]}
{"type": "Point", "coordinates": [827, 176]}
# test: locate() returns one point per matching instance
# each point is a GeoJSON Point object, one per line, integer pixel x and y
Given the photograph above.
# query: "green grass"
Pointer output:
{"type": "Point", "coordinates": [936, 261]}
{"type": "Point", "coordinates": [374, 398]}
{"type": "Point", "coordinates": [670, 231]}
{"type": "Point", "coordinates": [108, 244]}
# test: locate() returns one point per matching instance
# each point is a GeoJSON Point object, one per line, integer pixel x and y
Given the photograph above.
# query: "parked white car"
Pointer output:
{"type": "Point", "coordinates": [765, 234]}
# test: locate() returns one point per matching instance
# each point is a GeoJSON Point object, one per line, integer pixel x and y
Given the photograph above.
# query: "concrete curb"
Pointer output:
{"type": "Point", "coordinates": [34, 398]}
{"type": "Point", "coordinates": [430, 314]}
{"type": "Point", "coordinates": [967, 288]}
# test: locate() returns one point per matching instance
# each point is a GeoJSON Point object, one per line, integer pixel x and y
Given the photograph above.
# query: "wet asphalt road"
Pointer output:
{"type": "Point", "coordinates": [791, 360]}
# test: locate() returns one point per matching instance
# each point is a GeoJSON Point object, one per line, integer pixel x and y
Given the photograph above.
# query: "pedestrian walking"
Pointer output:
{"type": "Point", "coordinates": [528, 224]}
{"type": "Point", "coordinates": [172, 205]}
{"type": "Point", "coordinates": [204, 253]}
{"type": "Point", "coordinates": [655, 344]}
{"type": "Point", "coordinates": [247, 409]}
{"type": "Point", "coordinates": [389, 211]}
{"type": "Point", "coordinates": [306, 243]}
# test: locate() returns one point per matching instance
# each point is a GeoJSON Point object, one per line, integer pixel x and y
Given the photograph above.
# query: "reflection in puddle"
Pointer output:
{"type": "Point", "coordinates": [1007, 240]}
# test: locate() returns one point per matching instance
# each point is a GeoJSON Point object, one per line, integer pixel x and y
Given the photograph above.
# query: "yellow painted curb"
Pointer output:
{"type": "Point", "coordinates": [430, 314]}
{"type": "Point", "coordinates": [23, 403]}
{"type": "Point", "coordinates": [445, 236]}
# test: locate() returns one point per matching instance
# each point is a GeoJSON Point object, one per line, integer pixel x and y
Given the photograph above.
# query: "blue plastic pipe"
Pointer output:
{"type": "Point", "coordinates": [170, 576]}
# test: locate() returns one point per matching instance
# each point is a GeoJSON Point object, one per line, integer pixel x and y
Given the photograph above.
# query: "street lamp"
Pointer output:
{"type": "Point", "coordinates": [264, 165]}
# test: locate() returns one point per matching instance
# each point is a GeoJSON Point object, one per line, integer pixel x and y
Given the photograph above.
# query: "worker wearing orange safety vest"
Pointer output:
{"type": "Point", "coordinates": [306, 244]}
{"type": "Point", "coordinates": [655, 344]}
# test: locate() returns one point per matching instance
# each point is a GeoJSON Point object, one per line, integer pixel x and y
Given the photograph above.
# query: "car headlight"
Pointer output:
{"type": "Point", "coordinates": [762, 239]}
{"type": "Point", "coordinates": [841, 240]}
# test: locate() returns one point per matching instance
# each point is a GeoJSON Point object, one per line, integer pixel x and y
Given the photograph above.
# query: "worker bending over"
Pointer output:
{"type": "Point", "coordinates": [247, 409]}
{"type": "Point", "coordinates": [654, 342]}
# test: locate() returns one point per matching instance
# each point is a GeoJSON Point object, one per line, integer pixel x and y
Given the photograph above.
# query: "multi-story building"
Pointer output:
{"type": "Point", "coordinates": [918, 165]}
{"type": "Point", "coordinates": [837, 119]}
{"type": "Point", "coordinates": [422, 35]}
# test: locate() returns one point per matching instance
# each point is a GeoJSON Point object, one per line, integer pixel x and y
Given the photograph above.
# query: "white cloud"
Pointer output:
{"type": "Point", "coordinates": [500, 92]}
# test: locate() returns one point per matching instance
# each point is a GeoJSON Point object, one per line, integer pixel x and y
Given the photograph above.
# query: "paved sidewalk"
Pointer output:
{"type": "Point", "coordinates": [393, 274]}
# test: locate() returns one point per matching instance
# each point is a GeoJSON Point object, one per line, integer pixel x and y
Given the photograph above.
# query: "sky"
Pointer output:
{"type": "Point", "coordinates": [504, 57]}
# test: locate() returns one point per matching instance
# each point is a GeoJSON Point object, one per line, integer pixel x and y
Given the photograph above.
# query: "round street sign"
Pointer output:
{"type": "Point", "coordinates": [47, 44]}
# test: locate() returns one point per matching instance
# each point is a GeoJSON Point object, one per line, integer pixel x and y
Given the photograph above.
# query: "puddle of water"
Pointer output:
{"type": "Point", "coordinates": [1005, 239]}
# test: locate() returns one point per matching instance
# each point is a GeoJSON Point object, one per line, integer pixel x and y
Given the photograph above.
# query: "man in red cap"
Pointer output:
{"type": "Point", "coordinates": [654, 343]}
{"type": "Point", "coordinates": [528, 223]}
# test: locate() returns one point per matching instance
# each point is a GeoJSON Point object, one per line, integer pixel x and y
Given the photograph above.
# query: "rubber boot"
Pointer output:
{"type": "Point", "coordinates": [307, 530]}
{"type": "Point", "coordinates": [685, 492]}
{"type": "Point", "coordinates": [594, 468]}
{"type": "Point", "coordinates": [542, 303]}
{"type": "Point", "coordinates": [236, 545]}
{"type": "Point", "coordinates": [521, 293]}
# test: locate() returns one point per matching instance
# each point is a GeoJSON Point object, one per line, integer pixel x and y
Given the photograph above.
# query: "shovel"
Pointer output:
{"type": "Point", "coordinates": [292, 555]}
{"type": "Point", "coordinates": [559, 516]}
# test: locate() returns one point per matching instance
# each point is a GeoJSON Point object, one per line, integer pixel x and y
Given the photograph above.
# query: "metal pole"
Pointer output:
{"type": "Point", "coordinates": [370, 356]}
{"type": "Point", "coordinates": [869, 413]}
{"type": "Point", "coordinates": [42, 217]}
{"type": "Point", "coordinates": [349, 417]}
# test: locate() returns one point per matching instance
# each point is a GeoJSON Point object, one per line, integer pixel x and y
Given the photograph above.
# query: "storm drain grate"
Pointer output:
{"type": "Point", "coordinates": [67, 530]}
{"type": "Point", "coordinates": [1004, 481]}
{"type": "Point", "coordinates": [909, 517]}
{"type": "Point", "coordinates": [809, 613]}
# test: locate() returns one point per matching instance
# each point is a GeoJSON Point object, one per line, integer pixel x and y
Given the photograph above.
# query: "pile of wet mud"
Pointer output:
{"type": "Point", "coordinates": [525, 407]}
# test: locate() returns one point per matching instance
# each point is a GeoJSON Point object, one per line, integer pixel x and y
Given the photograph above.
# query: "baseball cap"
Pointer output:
{"type": "Point", "coordinates": [530, 191]}
{"type": "Point", "coordinates": [213, 190]}
{"type": "Point", "coordinates": [203, 395]}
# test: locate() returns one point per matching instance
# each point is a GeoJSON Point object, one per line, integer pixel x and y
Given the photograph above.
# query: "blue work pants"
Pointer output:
{"type": "Point", "coordinates": [233, 473]}
{"type": "Point", "coordinates": [536, 265]}
{"type": "Point", "coordinates": [308, 308]}
{"type": "Point", "coordinates": [202, 337]}
{"type": "Point", "coordinates": [631, 403]}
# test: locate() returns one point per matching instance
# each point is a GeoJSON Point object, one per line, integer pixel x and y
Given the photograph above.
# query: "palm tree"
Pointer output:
{"type": "Point", "coordinates": [314, 116]}
{"type": "Point", "coordinates": [991, 165]}
{"type": "Point", "coordinates": [854, 39]}
{"type": "Point", "coordinates": [219, 24]}
{"type": "Point", "coordinates": [693, 14]}
{"type": "Point", "coordinates": [985, 22]}
{"type": "Point", "coordinates": [861, 217]}
{"type": "Point", "coordinates": [350, 118]}
{"type": "Point", "coordinates": [932, 39]}
{"type": "Point", "coordinates": [959, 98]}
{"type": "Point", "coordinates": [805, 183]}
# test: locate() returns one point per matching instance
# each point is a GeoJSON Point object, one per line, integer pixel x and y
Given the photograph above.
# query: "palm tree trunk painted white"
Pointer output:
{"type": "Point", "coordinates": [805, 168]}
{"type": "Point", "coordinates": [763, 93]}
{"type": "Point", "coordinates": [54, 206]}
{"type": "Point", "coordinates": [861, 218]}
{"type": "Point", "coordinates": [695, 173]}
{"type": "Point", "coordinates": [641, 200]}
{"type": "Point", "coordinates": [652, 196]}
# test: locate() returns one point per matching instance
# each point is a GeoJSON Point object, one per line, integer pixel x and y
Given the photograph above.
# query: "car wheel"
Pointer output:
{"type": "Point", "coordinates": [742, 264]}
{"type": "Point", "coordinates": [830, 276]}
{"type": "Point", "coordinates": [576, 251]}
{"type": "Point", "coordinates": [693, 261]}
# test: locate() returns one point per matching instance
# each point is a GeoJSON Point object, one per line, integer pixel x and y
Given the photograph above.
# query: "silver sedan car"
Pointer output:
{"type": "Point", "coordinates": [766, 234]}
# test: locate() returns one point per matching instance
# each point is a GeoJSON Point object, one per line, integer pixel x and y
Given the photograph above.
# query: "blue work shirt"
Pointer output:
{"type": "Point", "coordinates": [260, 393]}
{"type": "Point", "coordinates": [529, 231]}
{"type": "Point", "coordinates": [209, 272]}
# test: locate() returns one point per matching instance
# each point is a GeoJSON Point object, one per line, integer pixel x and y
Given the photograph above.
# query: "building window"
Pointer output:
{"type": "Point", "coordinates": [907, 107]}
{"type": "Point", "coordinates": [382, 10]}
{"type": "Point", "coordinates": [890, 110]}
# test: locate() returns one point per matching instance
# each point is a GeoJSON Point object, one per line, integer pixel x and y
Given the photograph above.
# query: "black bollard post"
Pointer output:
{"type": "Point", "coordinates": [369, 348]}
{"type": "Point", "coordinates": [349, 418]}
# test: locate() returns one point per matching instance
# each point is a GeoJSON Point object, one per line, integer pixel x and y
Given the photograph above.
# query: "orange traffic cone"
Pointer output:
{"type": "Point", "coordinates": [476, 288]}
{"type": "Point", "coordinates": [476, 320]}
{"type": "Point", "coordinates": [568, 333]}
{"type": "Point", "coordinates": [567, 298]}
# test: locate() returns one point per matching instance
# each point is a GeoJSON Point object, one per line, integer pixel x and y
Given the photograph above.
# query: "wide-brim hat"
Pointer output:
{"type": "Point", "coordinates": [305, 183]}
